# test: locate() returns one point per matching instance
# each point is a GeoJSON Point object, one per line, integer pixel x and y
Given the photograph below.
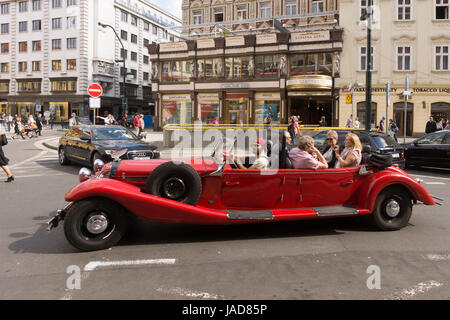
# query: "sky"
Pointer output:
{"type": "Point", "coordinates": [171, 6]}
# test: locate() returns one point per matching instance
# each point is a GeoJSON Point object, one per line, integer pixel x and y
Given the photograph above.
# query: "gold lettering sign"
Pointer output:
{"type": "Point", "coordinates": [266, 38]}
{"type": "Point", "coordinates": [234, 41]}
{"type": "Point", "coordinates": [173, 46]}
{"type": "Point", "coordinates": [205, 43]}
{"type": "Point", "coordinates": [310, 36]}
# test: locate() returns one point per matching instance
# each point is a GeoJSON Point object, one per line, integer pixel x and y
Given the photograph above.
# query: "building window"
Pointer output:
{"type": "Point", "coordinates": [23, 26]}
{"type": "Point", "coordinates": [146, 42]}
{"type": "Point", "coordinates": [197, 17]}
{"type": "Point", "coordinates": [36, 45]}
{"type": "Point", "coordinates": [71, 22]}
{"type": "Point", "coordinates": [71, 3]}
{"type": "Point", "coordinates": [218, 14]}
{"type": "Point", "coordinates": [124, 16]}
{"type": "Point", "coordinates": [123, 35]}
{"type": "Point", "coordinates": [5, 28]}
{"type": "Point", "coordinates": [133, 56]}
{"type": "Point", "coordinates": [71, 64]}
{"type": "Point", "coordinates": [265, 10]}
{"type": "Point", "coordinates": [146, 76]}
{"type": "Point", "coordinates": [318, 6]}
{"type": "Point", "coordinates": [23, 6]}
{"type": "Point", "coordinates": [37, 25]}
{"type": "Point", "coordinates": [154, 30]}
{"type": "Point", "coordinates": [134, 20]}
{"type": "Point", "coordinates": [36, 66]}
{"type": "Point", "coordinates": [176, 71]}
{"type": "Point", "coordinates": [241, 12]}
{"type": "Point", "coordinates": [442, 57]}
{"type": "Point", "coordinates": [123, 53]}
{"type": "Point", "coordinates": [23, 66]}
{"type": "Point", "coordinates": [36, 5]}
{"type": "Point", "coordinates": [134, 38]}
{"type": "Point", "coordinates": [208, 68]}
{"type": "Point", "coordinates": [236, 67]}
{"type": "Point", "coordinates": [146, 26]}
{"type": "Point", "coordinates": [56, 23]}
{"type": "Point", "coordinates": [64, 86]}
{"type": "Point", "coordinates": [403, 58]}
{"type": "Point", "coordinates": [28, 86]}
{"type": "Point", "coordinates": [4, 86]}
{"type": "Point", "coordinates": [71, 43]}
{"type": "Point", "coordinates": [23, 46]}
{"type": "Point", "coordinates": [363, 58]}
{"type": "Point", "coordinates": [403, 9]}
{"type": "Point", "coordinates": [311, 63]}
{"type": "Point", "coordinates": [5, 67]}
{"type": "Point", "coordinates": [267, 66]}
{"type": "Point", "coordinates": [134, 73]}
{"type": "Point", "coordinates": [5, 47]}
{"type": "Point", "coordinates": [56, 65]}
{"type": "Point", "coordinates": [290, 8]}
{"type": "Point", "coordinates": [5, 8]}
{"type": "Point", "coordinates": [361, 113]}
{"type": "Point", "coordinates": [442, 8]}
{"type": "Point", "coordinates": [56, 44]}
{"type": "Point", "coordinates": [146, 59]}
{"type": "Point", "coordinates": [56, 4]}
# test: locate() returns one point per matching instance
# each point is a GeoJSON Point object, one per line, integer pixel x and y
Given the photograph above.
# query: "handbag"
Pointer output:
{"type": "Point", "coordinates": [3, 140]}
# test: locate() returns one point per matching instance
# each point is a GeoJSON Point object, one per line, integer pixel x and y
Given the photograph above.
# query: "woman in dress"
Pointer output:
{"type": "Point", "coordinates": [351, 155]}
{"type": "Point", "coordinates": [4, 161]}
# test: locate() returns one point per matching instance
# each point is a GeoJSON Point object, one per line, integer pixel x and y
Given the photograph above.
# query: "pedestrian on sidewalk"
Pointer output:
{"type": "Point", "coordinates": [10, 122]}
{"type": "Point", "coordinates": [142, 132]}
{"type": "Point", "coordinates": [393, 129]}
{"type": "Point", "coordinates": [3, 159]}
{"type": "Point", "coordinates": [39, 124]}
{"type": "Point", "coordinates": [19, 128]}
{"type": "Point", "coordinates": [136, 123]}
{"type": "Point", "coordinates": [3, 121]}
{"type": "Point", "coordinates": [430, 126]}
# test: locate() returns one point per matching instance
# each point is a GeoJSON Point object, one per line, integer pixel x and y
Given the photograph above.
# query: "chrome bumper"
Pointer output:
{"type": "Point", "coordinates": [60, 215]}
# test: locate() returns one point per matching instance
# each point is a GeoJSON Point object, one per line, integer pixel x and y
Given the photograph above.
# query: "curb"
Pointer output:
{"type": "Point", "coordinates": [49, 146]}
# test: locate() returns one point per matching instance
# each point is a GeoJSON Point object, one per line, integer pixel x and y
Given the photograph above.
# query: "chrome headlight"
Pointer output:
{"type": "Point", "coordinates": [110, 152]}
{"type": "Point", "coordinates": [84, 174]}
{"type": "Point", "coordinates": [419, 181]}
{"type": "Point", "coordinates": [98, 165]}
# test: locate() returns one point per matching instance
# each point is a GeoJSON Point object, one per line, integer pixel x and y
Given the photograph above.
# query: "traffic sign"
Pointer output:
{"type": "Point", "coordinates": [95, 90]}
{"type": "Point", "coordinates": [348, 98]}
{"type": "Point", "coordinates": [94, 103]}
{"type": "Point", "coordinates": [407, 82]}
{"type": "Point", "coordinates": [406, 93]}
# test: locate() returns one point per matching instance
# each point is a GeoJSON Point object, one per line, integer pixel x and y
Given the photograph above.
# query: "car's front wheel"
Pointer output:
{"type": "Point", "coordinates": [95, 224]}
{"type": "Point", "coordinates": [393, 209]}
{"type": "Point", "coordinates": [62, 158]}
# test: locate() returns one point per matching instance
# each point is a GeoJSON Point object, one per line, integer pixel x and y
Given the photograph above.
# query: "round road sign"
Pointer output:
{"type": "Point", "coordinates": [95, 90]}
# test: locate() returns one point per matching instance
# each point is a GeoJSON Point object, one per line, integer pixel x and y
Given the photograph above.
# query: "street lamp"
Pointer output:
{"type": "Point", "coordinates": [124, 97]}
{"type": "Point", "coordinates": [368, 15]}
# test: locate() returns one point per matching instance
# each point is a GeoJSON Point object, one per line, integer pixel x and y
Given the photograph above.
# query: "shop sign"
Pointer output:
{"type": "Point", "coordinates": [310, 82]}
{"type": "Point", "coordinates": [266, 38]}
{"type": "Point", "coordinates": [205, 43]}
{"type": "Point", "coordinates": [267, 96]}
{"type": "Point", "coordinates": [176, 97]}
{"type": "Point", "coordinates": [234, 86]}
{"type": "Point", "coordinates": [411, 89]}
{"type": "Point", "coordinates": [310, 36]}
{"type": "Point", "coordinates": [173, 46]}
{"type": "Point", "coordinates": [234, 41]}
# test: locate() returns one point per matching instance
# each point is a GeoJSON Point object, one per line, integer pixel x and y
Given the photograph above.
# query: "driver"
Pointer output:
{"type": "Point", "coordinates": [262, 161]}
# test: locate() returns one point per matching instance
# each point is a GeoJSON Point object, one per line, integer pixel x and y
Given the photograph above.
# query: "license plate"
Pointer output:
{"type": "Point", "coordinates": [141, 158]}
{"type": "Point", "coordinates": [395, 155]}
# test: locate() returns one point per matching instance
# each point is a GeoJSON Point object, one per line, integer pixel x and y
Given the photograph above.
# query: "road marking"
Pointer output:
{"type": "Point", "coordinates": [46, 174]}
{"type": "Point", "coordinates": [413, 291]}
{"type": "Point", "coordinates": [438, 257]}
{"type": "Point", "coordinates": [433, 183]}
{"type": "Point", "coordinates": [190, 293]}
{"type": "Point", "coordinates": [429, 177]}
{"type": "Point", "coordinates": [91, 266]}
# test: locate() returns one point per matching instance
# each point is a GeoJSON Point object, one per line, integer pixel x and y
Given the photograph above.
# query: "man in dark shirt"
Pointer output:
{"type": "Point", "coordinates": [431, 126]}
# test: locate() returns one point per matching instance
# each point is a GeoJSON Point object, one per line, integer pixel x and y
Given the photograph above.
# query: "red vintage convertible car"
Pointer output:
{"type": "Point", "coordinates": [212, 190]}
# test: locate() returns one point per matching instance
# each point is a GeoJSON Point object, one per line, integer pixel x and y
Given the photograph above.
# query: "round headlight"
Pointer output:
{"type": "Point", "coordinates": [84, 174]}
{"type": "Point", "coordinates": [98, 165]}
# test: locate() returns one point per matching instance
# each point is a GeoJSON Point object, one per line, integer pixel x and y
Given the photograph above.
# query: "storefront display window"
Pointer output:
{"type": "Point", "coordinates": [236, 67]}
{"type": "Point", "coordinates": [176, 71]}
{"type": "Point", "coordinates": [24, 109]}
{"type": "Point", "coordinates": [209, 68]}
{"type": "Point", "coordinates": [267, 66]}
{"type": "Point", "coordinates": [361, 113]}
{"type": "Point", "coordinates": [208, 107]}
{"type": "Point", "coordinates": [177, 109]}
{"type": "Point", "coordinates": [59, 111]}
{"type": "Point", "coordinates": [236, 108]}
{"type": "Point", "coordinates": [4, 108]}
{"type": "Point", "coordinates": [267, 108]}
{"type": "Point", "coordinates": [317, 63]}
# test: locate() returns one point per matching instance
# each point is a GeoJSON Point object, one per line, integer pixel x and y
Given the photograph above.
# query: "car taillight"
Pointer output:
{"type": "Point", "coordinates": [402, 155]}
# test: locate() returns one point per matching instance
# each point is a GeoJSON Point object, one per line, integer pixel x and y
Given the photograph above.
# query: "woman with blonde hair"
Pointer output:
{"type": "Point", "coordinates": [351, 155]}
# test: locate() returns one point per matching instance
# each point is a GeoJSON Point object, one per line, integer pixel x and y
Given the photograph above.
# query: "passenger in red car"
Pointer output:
{"type": "Point", "coordinates": [262, 161]}
{"type": "Point", "coordinates": [351, 155]}
{"type": "Point", "coordinates": [306, 156]}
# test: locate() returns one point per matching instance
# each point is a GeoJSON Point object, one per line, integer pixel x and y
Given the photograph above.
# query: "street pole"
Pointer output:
{"type": "Point", "coordinates": [369, 65]}
{"type": "Point", "coordinates": [388, 98]}
{"type": "Point", "coordinates": [405, 115]}
{"type": "Point", "coordinates": [124, 96]}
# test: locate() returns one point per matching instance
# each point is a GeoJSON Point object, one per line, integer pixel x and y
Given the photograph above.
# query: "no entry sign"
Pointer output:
{"type": "Point", "coordinates": [95, 90]}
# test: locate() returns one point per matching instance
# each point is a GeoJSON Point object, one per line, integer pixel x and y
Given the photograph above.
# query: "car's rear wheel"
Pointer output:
{"type": "Point", "coordinates": [393, 209]}
{"type": "Point", "coordinates": [175, 181]}
{"type": "Point", "coordinates": [62, 158]}
{"type": "Point", "coordinates": [95, 224]}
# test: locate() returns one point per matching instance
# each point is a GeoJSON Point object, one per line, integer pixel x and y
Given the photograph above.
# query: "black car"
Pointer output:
{"type": "Point", "coordinates": [378, 142]}
{"type": "Point", "coordinates": [431, 150]}
{"type": "Point", "coordinates": [85, 144]}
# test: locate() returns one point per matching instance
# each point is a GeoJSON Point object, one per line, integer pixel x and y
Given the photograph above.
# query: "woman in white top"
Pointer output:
{"type": "Point", "coordinates": [357, 123]}
{"type": "Point", "coordinates": [351, 155]}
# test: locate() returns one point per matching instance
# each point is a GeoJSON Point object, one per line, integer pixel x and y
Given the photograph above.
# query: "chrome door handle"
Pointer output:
{"type": "Point", "coordinates": [231, 183]}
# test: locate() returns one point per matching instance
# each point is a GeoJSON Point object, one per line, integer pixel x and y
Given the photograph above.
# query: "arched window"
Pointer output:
{"type": "Point", "coordinates": [361, 114]}
{"type": "Point", "coordinates": [440, 110]}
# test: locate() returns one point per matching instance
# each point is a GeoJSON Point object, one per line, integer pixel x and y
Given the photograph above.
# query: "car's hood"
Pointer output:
{"type": "Point", "coordinates": [122, 144]}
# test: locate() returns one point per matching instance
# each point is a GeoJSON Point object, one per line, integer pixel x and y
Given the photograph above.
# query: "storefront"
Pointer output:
{"type": "Point", "coordinates": [59, 111]}
{"type": "Point", "coordinates": [236, 108]}
{"type": "Point", "coordinates": [267, 108]}
{"type": "Point", "coordinates": [4, 107]}
{"type": "Point", "coordinates": [177, 109]}
{"type": "Point", "coordinates": [208, 107]}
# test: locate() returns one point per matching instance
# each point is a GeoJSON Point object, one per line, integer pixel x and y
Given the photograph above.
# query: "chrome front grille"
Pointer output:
{"type": "Point", "coordinates": [140, 154]}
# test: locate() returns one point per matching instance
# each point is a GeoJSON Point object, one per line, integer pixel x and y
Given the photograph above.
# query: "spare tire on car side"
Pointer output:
{"type": "Point", "coordinates": [176, 181]}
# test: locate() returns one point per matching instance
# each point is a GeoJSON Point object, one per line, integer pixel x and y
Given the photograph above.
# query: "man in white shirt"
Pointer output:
{"type": "Point", "coordinates": [262, 161]}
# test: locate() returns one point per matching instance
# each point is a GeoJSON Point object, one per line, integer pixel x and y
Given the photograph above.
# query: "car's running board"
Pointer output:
{"type": "Point", "coordinates": [335, 211]}
{"type": "Point", "coordinates": [249, 215]}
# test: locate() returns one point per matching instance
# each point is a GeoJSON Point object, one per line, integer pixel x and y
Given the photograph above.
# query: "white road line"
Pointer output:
{"type": "Point", "coordinates": [428, 177]}
{"type": "Point", "coordinates": [45, 174]}
{"type": "Point", "coordinates": [190, 293]}
{"type": "Point", "coordinates": [433, 183]}
{"type": "Point", "coordinates": [91, 266]}
{"type": "Point", "coordinates": [413, 291]}
{"type": "Point", "coordinates": [438, 257]}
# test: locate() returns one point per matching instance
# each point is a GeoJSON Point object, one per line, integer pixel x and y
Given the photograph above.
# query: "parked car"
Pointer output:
{"type": "Point", "coordinates": [377, 141]}
{"type": "Point", "coordinates": [431, 150]}
{"type": "Point", "coordinates": [212, 190]}
{"type": "Point", "coordinates": [85, 144]}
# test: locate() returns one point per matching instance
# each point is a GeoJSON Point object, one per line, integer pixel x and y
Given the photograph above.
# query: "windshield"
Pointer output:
{"type": "Point", "coordinates": [112, 133]}
{"type": "Point", "coordinates": [384, 141]}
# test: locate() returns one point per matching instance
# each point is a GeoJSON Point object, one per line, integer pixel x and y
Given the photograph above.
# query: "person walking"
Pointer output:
{"type": "Point", "coordinates": [357, 123]}
{"type": "Point", "coordinates": [430, 126]}
{"type": "Point", "coordinates": [39, 124]}
{"type": "Point", "coordinates": [3, 159]}
{"type": "Point", "coordinates": [440, 125]}
{"type": "Point", "coordinates": [136, 123]}
{"type": "Point", "coordinates": [381, 125]}
{"type": "Point", "coordinates": [10, 122]}
{"type": "Point", "coordinates": [19, 128]}
{"type": "Point", "coordinates": [3, 121]}
{"type": "Point", "coordinates": [350, 121]}
{"type": "Point", "coordinates": [393, 129]}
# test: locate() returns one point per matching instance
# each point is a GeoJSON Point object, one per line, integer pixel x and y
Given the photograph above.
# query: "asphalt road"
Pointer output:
{"type": "Point", "coordinates": [327, 259]}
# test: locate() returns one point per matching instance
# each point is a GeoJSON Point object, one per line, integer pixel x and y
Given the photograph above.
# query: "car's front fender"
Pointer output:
{"type": "Point", "coordinates": [381, 180]}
